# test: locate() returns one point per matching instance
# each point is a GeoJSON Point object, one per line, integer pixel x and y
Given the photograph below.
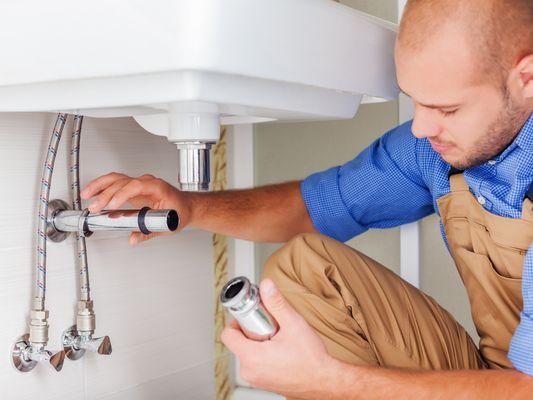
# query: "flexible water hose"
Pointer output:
{"type": "Point", "coordinates": [85, 291]}
{"type": "Point", "coordinates": [44, 197]}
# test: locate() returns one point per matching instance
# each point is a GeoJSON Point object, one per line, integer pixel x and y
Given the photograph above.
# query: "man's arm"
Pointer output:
{"type": "Point", "coordinates": [272, 213]}
{"type": "Point", "coordinates": [266, 214]}
{"type": "Point", "coordinates": [350, 382]}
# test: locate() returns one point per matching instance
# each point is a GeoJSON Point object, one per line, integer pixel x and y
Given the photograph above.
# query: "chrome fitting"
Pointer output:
{"type": "Point", "coordinates": [79, 338]}
{"type": "Point", "coordinates": [25, 355]}
{"type": "Point", "coordinates": [62, 220]}
{"type": "Point", "coordinates": [39, 328]}
{"type": "Point", "coordinates": [54, 207]}
{"type": "Point", "coordinates": [85, 319]}
{"type": "Point", "coordinates": [242, 300]}
{"type": "Point", "coordinates": [194, 166]}
{"type": "Point", "coordinates": [76, 342]}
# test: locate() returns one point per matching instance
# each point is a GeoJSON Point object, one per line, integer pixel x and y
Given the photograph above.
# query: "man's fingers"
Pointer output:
{"type": "Point", "coordinates": [107, 194]}
{"type": "Point", "coordinates": [136, 238]}
{"type": "Point", "coordinates": [235, 340]}
{"type": "Point", "coordinates": [139, 237]}
{"type": "Point", "coordinates": [276, 304]}
{"type": "Point", "coordinates": [97, 185]}
{"type": "Point", "coordinates": [146, 177]}
{"type": "Point", "coordinates": [134, 188]}
{"type": "Point", "coordinates": [234, 324]}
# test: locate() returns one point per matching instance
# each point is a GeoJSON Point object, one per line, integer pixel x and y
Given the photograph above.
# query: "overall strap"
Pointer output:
{"type": "Point", "coordinates": [457, 181]}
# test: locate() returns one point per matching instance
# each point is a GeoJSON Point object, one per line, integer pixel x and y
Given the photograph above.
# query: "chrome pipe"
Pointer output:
{"type": "Point", "coordinates": [67, 221]}
{"type": "Point", "coordinates": [242, 300]}
{"type": "Point", "coordinates": [145, 220]}
{"type": "Point", "coordinates": [194, 166]}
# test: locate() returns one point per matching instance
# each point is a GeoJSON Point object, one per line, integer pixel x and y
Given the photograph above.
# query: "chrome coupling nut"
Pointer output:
{"type": "Point", "coordinates": [39, 327]}
{"type": "Point", "coordinates": [85, 319]}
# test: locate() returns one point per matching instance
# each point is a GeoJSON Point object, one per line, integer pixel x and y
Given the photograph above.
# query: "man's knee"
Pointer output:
{"type": "Point", "coordinates": [285, 262]}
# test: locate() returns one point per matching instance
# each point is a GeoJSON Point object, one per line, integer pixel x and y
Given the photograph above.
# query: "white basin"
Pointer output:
{"type": "Point", "coordinates": [241, 60]}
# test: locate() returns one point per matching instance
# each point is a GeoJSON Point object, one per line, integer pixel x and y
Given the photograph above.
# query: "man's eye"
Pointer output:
{"type": "Point", "coordinates": [448, 113]}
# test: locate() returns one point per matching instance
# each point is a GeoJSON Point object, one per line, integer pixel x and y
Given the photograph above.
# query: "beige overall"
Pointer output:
{"type": "Point", "coordinates": [367, 315]}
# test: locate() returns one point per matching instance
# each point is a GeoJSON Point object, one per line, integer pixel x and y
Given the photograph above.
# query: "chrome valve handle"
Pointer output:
{"type": "Point", "coordinates": [101, 345]}
{"type": "Point", "coordinates": [26, 356]}
{"type": "Point", "coordinates": [75, 343]}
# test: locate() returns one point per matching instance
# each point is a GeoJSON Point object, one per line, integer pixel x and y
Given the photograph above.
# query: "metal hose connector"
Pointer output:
{"type": "Point", "coordinates": [79, 338]}
{"type": "Point", "coordinates": [85, 290]}
{"type": "Point", "coordinates": [44, 197]}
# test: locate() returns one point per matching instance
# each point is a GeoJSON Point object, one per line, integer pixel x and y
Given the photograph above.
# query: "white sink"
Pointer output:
{"type": "Point", "coordinates": [237, 60]}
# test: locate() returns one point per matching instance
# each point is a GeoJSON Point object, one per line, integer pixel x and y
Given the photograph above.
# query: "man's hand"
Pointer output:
{"type": "Point", "coordinates": [293, 362]}
{"type": "Point", "coordinates": [273, 213]}
{"type": "Point", "coordinates": [114, 190]}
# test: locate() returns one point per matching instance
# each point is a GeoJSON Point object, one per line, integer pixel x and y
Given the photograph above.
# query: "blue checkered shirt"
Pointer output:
{"type": "Point", "coordinates": [398, 180]}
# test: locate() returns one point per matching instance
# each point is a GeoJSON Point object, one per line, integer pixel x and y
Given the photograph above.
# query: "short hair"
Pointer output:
{"type": "Point", "coordinates": [500, 31]}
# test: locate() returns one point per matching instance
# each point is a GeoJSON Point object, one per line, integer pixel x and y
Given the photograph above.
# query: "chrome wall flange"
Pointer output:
{"type": "Point", "coordinates": [19, 354]}
{"type": "Point", "coordinates": [52, 233]}
{"type": "Point", "coordinates": [25, 355]}
{"type": "Point", "coordinates": [69, 339]}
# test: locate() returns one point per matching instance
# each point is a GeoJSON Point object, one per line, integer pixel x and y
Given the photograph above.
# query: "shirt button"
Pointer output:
{"type": "Point", "coordinates": [481, 200]}
{"type": "Point", "coordinates": [492, 162]}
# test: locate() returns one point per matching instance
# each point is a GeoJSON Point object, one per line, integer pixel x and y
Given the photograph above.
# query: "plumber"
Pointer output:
{"type": "Point", "coordinates": [350, 328]}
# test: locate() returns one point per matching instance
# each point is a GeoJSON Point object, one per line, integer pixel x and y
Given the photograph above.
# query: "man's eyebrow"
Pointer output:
{"type": "Point", "coordinates": [433, 106]}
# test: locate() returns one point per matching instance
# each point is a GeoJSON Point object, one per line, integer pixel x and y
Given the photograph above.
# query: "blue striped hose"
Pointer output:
{"type": "Point", "coordinates": [85, 291]}
{"type": "Point", "coordinates": [44, 198]}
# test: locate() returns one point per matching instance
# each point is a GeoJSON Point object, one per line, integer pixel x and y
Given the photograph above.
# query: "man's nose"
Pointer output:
{"type": "Point", "coordinates": [425, 124]}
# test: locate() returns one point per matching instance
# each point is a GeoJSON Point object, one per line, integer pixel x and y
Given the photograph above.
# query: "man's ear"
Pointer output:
{"type": "Point", "coordinates": [524, 76]}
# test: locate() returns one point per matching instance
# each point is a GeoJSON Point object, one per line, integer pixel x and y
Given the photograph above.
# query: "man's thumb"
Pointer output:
{"type": "Point", "coordinates": [274, 301]}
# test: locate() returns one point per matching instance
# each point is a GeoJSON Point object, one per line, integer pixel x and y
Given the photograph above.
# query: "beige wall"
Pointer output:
{"type": "Point", "coordinates": [386, 9]}
{"type": "Point", "coordinates": [292, 151]}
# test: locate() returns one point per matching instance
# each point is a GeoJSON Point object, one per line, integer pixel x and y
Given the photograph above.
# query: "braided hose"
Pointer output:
{"type": "Point", "coordinates": [76, 205]}
{"type": "Point", "coordinates": [43, 210]}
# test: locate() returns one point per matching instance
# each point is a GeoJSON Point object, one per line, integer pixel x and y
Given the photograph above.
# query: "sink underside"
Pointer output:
{"type": "Point", "coordinates": [255, 60]}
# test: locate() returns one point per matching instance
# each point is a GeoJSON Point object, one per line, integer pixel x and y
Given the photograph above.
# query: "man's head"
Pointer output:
{"type": "Point", "coordinates": [468, 65]}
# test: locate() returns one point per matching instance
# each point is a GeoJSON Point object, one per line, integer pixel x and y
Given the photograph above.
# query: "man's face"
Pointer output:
{"type": "Point", "coordinates": [467, 117]}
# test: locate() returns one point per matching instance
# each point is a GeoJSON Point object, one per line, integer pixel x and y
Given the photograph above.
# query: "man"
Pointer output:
{"type": "Point", "coordinates": [349, 328]}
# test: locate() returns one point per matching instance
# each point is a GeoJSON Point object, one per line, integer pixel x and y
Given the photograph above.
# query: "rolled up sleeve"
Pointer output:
{"type": "Point", "coordinates": [330, 216]}
{"type": "Point", "coordinates": [382, 187]}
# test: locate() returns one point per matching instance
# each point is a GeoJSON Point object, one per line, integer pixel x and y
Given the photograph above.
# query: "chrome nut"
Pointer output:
{"type": "Point", "coordinates": [39, 315]}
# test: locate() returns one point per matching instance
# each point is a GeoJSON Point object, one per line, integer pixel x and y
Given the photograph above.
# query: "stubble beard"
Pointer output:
{"type": "Point", "coordinates": [499, 136]}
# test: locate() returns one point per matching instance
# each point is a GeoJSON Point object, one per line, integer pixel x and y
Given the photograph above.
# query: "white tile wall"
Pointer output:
{"type": "Point", "coordinates": [155, 301]}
